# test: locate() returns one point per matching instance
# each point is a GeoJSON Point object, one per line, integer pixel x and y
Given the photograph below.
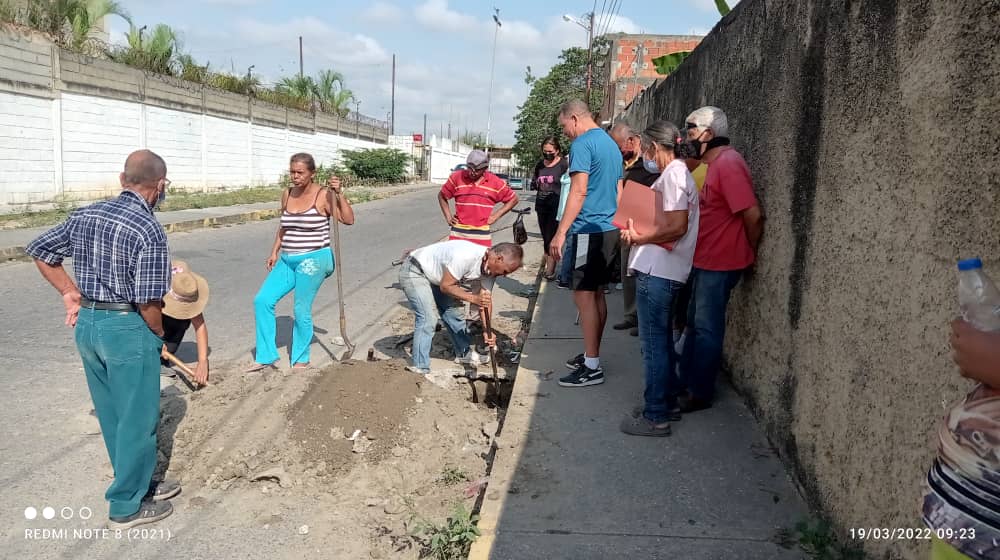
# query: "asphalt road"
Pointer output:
{"type": "Point", "coordinates": [46, 457]}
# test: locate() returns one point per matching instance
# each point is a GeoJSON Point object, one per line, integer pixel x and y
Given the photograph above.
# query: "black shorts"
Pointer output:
{"type": "Point", "coordinates": [595, 260]}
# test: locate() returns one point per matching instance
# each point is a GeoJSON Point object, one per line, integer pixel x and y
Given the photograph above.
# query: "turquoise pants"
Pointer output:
{"type": "Point", "coordinates": [304, 273]}
{"type": "Point", "coordinates": [121, 358]}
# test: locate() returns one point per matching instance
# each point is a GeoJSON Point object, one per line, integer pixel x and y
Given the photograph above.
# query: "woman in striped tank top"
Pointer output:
{"type": "Point", "coordinates": [300, 260]}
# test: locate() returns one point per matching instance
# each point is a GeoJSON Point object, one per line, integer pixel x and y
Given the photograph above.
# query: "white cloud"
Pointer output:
{"type": "Point", "coordinates": [320, 40]}
{"type": "Point", "coordinates": [382, 12]}
{"type": "Point", "coordinates": [436, 14]}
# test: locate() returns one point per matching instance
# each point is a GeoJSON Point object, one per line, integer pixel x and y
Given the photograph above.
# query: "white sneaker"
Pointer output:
{"type": "Point", "coordinates": [473, 358]}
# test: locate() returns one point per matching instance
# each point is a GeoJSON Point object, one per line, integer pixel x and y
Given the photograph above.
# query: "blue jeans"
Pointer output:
{"type": "Point", "coordinates": [428, 302]}
{"type": "Point", "coordinates": [121, 358]}
{"type": "Point", "coordinates": [566, 264]}
{"type": "Point", "coordinates": [304, 273]}
{"type": "Point", "coordinates": [706, 320]}
{"type": "Point", "coordinates": [655, 308]}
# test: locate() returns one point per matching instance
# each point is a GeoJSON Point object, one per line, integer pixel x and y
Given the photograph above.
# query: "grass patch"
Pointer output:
{"type": "Point", "coordinates": [818, 539]}
{"type": "Point", "coordinates": [453, 475]}
{"type": "Point", "coordinates": [452, 539]}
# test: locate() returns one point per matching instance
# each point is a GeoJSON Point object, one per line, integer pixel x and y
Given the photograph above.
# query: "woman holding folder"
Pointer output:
{"type": "Point", "coordinates": [663, 239]}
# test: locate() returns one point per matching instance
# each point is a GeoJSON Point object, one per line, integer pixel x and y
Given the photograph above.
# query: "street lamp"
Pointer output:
{"type": "Point", "coordinates": [489, 103]}
{"type": "Point", "coordinates": [589, 27]}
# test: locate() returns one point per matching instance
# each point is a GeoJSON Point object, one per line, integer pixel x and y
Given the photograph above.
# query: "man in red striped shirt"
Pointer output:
{"type": "Point", "coordinates": [476, 192]}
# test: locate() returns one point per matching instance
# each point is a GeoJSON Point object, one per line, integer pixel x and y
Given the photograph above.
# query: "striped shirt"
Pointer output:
{"type": "Point", "coordinates": [305, 231]}
{"type": "Point", "coordinates": [474, 203]}
{"type": "Point", "coordinates": [118, 248]}
{"type": "Point", "coordinates": [962, 488]}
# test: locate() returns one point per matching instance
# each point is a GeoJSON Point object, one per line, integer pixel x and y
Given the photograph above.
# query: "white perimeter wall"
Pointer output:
{"type": "Point", "coordinates": [75, 145]}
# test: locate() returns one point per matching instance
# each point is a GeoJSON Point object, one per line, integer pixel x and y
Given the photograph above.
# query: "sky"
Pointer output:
{"type": "Point", "coordinates": [443, 48]}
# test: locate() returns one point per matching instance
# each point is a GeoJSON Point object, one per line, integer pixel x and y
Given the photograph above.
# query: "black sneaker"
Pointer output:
{"type": "Point", "coordinates": [149, 512]}
{"type": "Point", "coordinates": [583, 377]}
{"type": "Point", "coordinates": [574, 362]}
{"type": "Point", "coordinates": [163, 490]}
{"type": "Point", "coordinates": [562, 285]}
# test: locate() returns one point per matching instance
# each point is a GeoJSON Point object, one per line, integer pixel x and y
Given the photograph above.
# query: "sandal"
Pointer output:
{"type": "Point", "coordinates": [256, 368]}
{"type": "Point", "coordinates": [550, 277]}
{"type": "Point", "coordinates": [302, 365]}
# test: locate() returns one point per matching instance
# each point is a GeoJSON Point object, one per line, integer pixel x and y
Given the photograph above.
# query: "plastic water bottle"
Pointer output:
{"type": "Point", "coordinates": [978, 296]}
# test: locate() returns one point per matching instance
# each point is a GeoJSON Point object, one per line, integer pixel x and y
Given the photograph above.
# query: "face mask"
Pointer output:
{"type": "Point", "coordinates": [159, 199]}
{"type": "Point", "coordinates": [651, 166]}
{"type": "Point", "coordinates": [628, 156]}
{"type": "Point", "coordinates": [548, 157]}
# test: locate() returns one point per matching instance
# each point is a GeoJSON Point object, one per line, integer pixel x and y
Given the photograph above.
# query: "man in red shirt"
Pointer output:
{"type": "Point", "coordinates": [729, 230]}
{"type": "Point", "coordinates": [476, 192]}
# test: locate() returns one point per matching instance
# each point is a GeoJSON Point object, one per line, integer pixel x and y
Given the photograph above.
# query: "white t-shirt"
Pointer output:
{"type": "Point", "coordinates": [463, 259]}
{"type": "Point", "coordinates": [678, 191]}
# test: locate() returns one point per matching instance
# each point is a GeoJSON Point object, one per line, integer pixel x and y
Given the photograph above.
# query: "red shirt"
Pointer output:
{"type": "Point", "coordinates": [474, 202]}
{"type": "Point", "coordinates": [722, 239]}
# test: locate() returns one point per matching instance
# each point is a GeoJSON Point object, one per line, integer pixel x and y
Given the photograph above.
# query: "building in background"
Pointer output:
{"type": "Point", "coordinates": [632, 69]}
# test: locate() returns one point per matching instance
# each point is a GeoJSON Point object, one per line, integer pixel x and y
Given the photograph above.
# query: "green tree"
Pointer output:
{"type": "Point", "coordinates": [383, 164]}
{"type": "Point", "coordinates": [539, 115]}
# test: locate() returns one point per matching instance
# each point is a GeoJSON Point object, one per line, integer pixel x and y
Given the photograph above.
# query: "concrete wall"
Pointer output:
{"type": "Point", "coordinates": [445, 154]}
{"type": "Point", "coordinates": [871, 129]}
{"type": "Point", "coordinates": [68, 121]}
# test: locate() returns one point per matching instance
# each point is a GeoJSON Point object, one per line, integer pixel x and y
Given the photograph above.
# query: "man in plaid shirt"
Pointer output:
{"type": "Point", "coordinates": [122, 271]}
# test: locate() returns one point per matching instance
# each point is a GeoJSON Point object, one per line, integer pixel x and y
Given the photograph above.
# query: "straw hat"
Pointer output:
{"type": "Point", "coordinates": [188, 293]}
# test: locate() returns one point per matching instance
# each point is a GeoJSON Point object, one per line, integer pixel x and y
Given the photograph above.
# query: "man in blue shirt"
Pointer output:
{"type": "Point", "coordinates": [122, 271]}
{"type": "Point", "coordinates": [595, 169]}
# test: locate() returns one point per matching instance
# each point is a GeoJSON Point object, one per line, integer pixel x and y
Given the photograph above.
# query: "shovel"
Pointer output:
{"type": "Point", "coordinates": [183, 367]}
{"type": "Point", "coordinates": [340, 280]}
{"type": "Point", "coordinates": [488, 329]}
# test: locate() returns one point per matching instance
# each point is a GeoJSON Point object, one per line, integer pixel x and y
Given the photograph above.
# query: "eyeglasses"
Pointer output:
{"type": "Point", "coordinates": [166, 183]}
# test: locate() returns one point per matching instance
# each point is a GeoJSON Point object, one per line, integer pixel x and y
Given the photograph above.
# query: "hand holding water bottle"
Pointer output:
{"type": "Point", "coordinates": [975, 338]}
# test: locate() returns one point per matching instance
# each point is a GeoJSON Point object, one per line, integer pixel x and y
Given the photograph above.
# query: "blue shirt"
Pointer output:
{"type": "Point", "coordinates": [119, 250]}
{"type": "Point", "coordinates": [597, 155]}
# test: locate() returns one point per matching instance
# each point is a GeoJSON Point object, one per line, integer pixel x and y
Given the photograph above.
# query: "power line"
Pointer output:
{"type": "Point", "coordinates": [614, 16]}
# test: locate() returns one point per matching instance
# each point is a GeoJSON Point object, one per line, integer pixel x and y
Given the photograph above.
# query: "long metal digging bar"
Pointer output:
{"type": "Point", "coordinates": [338, 265]}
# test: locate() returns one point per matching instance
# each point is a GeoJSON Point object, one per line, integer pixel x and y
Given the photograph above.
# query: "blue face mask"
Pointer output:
{"type": "Point", "coordinates": [651, 166]}
{"type": "Point", "coordinates": [161, 198]}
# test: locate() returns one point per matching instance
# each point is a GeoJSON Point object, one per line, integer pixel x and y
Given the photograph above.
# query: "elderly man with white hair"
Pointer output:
{"type": "Point", "coordinates": [730, 227]}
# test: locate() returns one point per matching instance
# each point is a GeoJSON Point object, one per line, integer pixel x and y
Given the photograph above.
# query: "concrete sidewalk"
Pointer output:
{"type": "Point", "coordinates": [13, 241]}
{"type": "Point", "coordinates": [566, 483]}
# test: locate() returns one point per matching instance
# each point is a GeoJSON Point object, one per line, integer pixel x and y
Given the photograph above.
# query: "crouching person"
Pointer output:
{"type": "Point", "coordinates": [431, 278]}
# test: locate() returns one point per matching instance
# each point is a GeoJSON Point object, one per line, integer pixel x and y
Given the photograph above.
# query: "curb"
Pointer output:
{"type": "Point", "coordinates": [17, 253]}
{"type": "Point", "coordinates": [510, 445]}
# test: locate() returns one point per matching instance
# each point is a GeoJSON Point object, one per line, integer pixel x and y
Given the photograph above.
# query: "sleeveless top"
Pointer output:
{"type": "Point", "coordinates": [305, 231]}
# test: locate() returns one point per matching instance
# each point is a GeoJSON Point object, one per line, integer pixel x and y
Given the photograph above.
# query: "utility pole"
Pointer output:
{"type": "Point", "coordinates": [392, 118]}
{"type": "Point", "coordinates": [489, 111]}
{"type": "Point", "coordinates": [301, 73]}
{"type": "Point", "coordinates": [357, 118]}
{"type": "Point", "coordinates": [590, 54]}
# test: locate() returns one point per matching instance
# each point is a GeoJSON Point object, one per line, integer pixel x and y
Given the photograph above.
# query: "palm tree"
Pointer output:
{"type": "Point", "coordinates": [331, 92]}
{"type": "Point", "coordinates": [87, 14]}
{"type": "Point", "coordinates": [154, 52]}
{"type": "Point", "coordinates": [299, 87]}
{"type": "Point", "coordinates": [71, 22]}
